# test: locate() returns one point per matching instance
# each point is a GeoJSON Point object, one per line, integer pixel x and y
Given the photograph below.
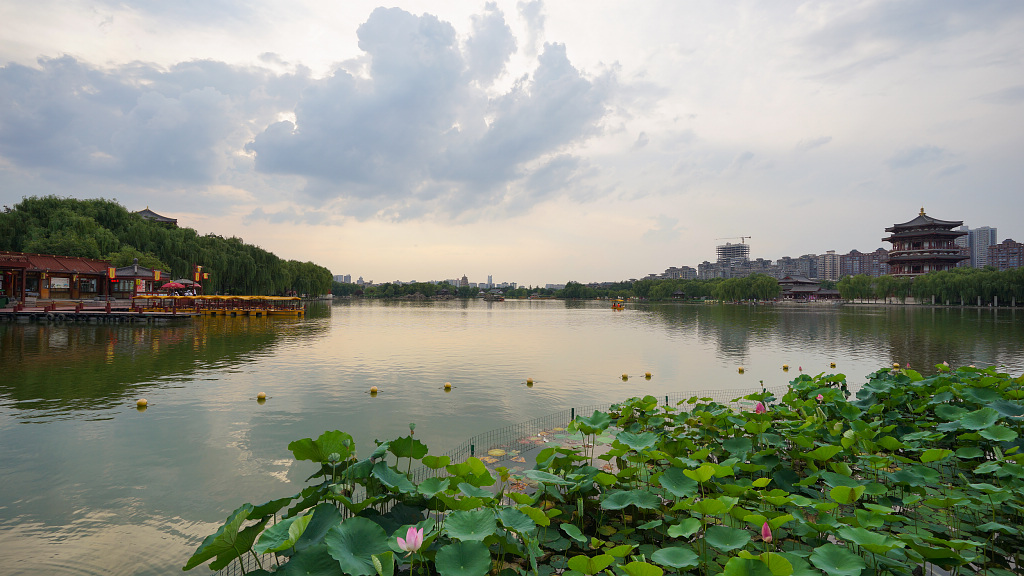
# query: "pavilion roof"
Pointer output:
{"type": "Point", "coordinates": [924, 221]}
{"type": "Point", "coordinates": [52, 263]}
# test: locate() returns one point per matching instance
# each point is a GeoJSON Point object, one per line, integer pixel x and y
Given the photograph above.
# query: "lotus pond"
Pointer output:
{"type": "Point", "coordinates": [911, 473]}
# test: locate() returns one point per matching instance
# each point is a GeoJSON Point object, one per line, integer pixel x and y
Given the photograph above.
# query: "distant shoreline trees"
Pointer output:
{"type": "Point", "coordinates": [105, 230]}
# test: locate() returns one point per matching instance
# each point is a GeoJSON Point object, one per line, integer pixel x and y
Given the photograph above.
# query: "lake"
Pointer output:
{"type": "Point", "coordinates": [91, 485]}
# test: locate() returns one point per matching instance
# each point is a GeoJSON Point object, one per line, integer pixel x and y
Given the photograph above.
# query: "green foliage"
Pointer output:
{"type": "Point", "coordinates": [914, 471]}
{"type": "Point", "coordinates": [105, 230]}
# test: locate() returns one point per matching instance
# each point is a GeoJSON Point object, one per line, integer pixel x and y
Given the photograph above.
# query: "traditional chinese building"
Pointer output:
{"type": "Point", "coordinates": [133, 280]}
{"type": "Point", "coordinates": [46, 276]}
{"type": "Point", "coordinates": [923, 245]}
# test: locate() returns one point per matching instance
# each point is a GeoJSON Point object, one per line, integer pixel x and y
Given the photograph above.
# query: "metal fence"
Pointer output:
{"type": "Point", "coordinates": [509, 437]}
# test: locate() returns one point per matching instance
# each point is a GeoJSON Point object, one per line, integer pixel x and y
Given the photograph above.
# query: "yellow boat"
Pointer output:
{"type": "Point", "coordinates": [618, 304]}
{"type": "Point", "coordinates": [221, 305]}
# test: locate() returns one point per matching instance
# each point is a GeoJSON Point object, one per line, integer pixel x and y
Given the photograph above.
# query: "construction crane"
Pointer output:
{"type": "Point", "coordinates": [735, 237]}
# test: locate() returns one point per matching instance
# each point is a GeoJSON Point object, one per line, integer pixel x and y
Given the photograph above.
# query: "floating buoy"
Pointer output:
{"type": "Point", "coordinates": [741, 370]}
{"type": "Point", "coordinates": [141, 402]}
{"type": "Point", "coordinates": [896, 365]}
{"type": "Point", "coordinates": [785, 366]}
{"type": "Point", "coordinates": [832, 365]}
{"type": "Point", "coordinates": [447, 385]}
{"type": "Point", "coordinates": [529, 381]}
{"type": "Point", "coordinates": [373, 390]}
{"type": "Point", "coordinates": [647, 375]}
{"type": "Point", "coordinates": [625, 376]}
{"type": "Point", "coordinates": [261, 396]}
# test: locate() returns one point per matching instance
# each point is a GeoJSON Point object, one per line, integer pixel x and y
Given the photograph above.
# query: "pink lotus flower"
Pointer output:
{"type": "Point", "coordinates": [766, 532]}
{"type": "Point", "coordinates": [760, 408]}
{"type": "Point", "coordinates": [800, 368]}
{"type": "Point", "coordinates": [820, 397]}
{"type": "Point", "coordinates": [412, 541]}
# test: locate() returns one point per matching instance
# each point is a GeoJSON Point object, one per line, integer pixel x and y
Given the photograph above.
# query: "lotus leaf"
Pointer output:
{"type": "Point", "coordinates": [837, 560]}
{"type": "Point", "coordinates": [591, 564]}
{"type": "Point", "coordinates": [313, 561]}
{"type": "Point", "coordinates": [738, 566]}
{"type": "Point", "coordinates": [221, 541]}
{"type": "Point", "coordinates": [471, 524]}
{"type": "Point", "coordinates": [726, 538]}
{"type": "Point", "coordinates": [678, 483]}
{"type": "Point", "coordinates": [676, 557]}
{"type": "Point", "coordinates": [282, 535]}
{"type": "Point", "coordinates": [353, 543]}
{"type": "Point", "coordinates": [331, 442]}
{"type": "Point", "coordinates": [999, 434]}
{"type": "Point", "coordinates": [623, 498]}
{"type": "Point", "coordinates": [642, 569]}
{"type": "Point", "coordinates": [463, 559]}
{"type": "Point", "coordinates": [517, 521]}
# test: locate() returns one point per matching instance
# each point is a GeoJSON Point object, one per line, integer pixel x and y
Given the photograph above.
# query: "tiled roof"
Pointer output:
{"type": "Point", "coordinates": [69, 264]}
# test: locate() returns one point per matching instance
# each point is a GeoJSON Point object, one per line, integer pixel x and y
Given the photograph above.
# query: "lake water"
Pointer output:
{"type": "Point", "coordinates": [90, 485]}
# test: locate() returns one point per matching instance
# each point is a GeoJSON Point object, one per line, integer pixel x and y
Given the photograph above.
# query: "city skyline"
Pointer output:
{"type": "Point", "coordinates": [586, 141]}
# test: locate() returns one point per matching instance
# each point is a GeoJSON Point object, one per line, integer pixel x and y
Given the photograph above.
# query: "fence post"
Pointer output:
{"type": "Point", "coordinates": [572, 414]}
{"type": "Point", "coordinates": [472, 450]}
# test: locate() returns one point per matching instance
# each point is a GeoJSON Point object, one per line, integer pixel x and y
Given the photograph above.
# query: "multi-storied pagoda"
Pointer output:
{"type": "Point", "coordinates": [923, 245]}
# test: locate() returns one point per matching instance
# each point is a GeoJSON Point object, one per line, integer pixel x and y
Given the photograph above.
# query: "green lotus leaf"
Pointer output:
{"type": "Point", "coordinates": [982, 395]}
{"type": "Point", "coordinates": [801, 567]}
{"type": "Point", "coordinates": [726, 538]}
{"type": "Point", "coordinates": [573, 532]}
{"type": "Point", "coordinates": [325, 516]}
{"type": "Point", "coordinates": [536, 514]}
{"type": "Point", "coordinates": [837, 560]}
{"type": "Point", "coordinates": [407, 447]}
{"type": "Point", "coordinates": [353, 543]}
{"type": "Point", "coordinates": [935, 454]}
{"type": "Point", "coordinates": [739, 445]}
{"type": "Point", "coordinates": [221, 541]}
{"type": "Point", "coordinates": [679, 484]}
{"type": "Point", "coordinates": [517, 521]}
{"type": "Point", "coordinates": [638, 442]}
{"type": "Point", "coordinates": [999, 434]}
{"type": "Point", "coordinates": [702, 474]}
{"type": "Point", "coordinates": [738, 566]}
{"type": "Point", "coordinates": [684, 529]}
{"type": "Point", "coordinates": [949, 412]}
{"type": "Point", "coordinates": [676, 557]}
{"type": "Point", "coordinates": [846, 494]}
{"type": "Point", "coordinates": [597, 422]}
{"type": "Point", "coordinates": [997, 527]}
{"type": "Point", "coordinates": [979, 419]}
{"type": "Point", "coordinates": [969, 452]}
{"type": "Point", "coordinates": [623, 498]}
{"type": "Point", "coordinates": [871, 541]}
{"type": "Point", "coordinates": [313, 561]}
{"type": "Point", "coordinates": [590, 564]}
{"type": "Point", "coordinates": [471, 524]}
{"type": "Point", "coordinates": [642, 569]}
{"type": "Point", "coordinates": [1007, 408]}
{"type": "Point", "coordinates": [463, 559]}
{"type": "Point", "coordinates": [619, 551]}
{"type": "Point", "coordinates": [330, 442]}
{"type": "Point", "coordinates": [431, 486]}
{"type": "Point", "coordinates": [282, 535]}
{"type": "Point", "coordinates": [270, 508]}
{"type": "Point", "coordinates": [473, 491]}
{"type": "Point", "coordinates": [825, 452]}
{"type": "Point", "coordinates": [548, 478]}
{"type": "Point", "coordinates": [384, 563]}
{"type": "Point", "coordinates": [436, 462]}
{"type": "Point", "coordinates": [392, 478]}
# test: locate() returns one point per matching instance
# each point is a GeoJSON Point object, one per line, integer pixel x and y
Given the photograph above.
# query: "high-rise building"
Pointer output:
{"type": "Point", "coordinates": [977, 242]}
{"type": "Point", "coordinates": [828, 265]}
{"type": "Point", "coordinates": [1007, 254]}
{"type": "Point", "coordinates": [733, 254]}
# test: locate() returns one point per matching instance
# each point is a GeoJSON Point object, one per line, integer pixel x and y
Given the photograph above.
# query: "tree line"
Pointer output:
{"type": "Point", "coordinates": [959, 286]}
{"type": "Point", "coordinates": [105, 230]}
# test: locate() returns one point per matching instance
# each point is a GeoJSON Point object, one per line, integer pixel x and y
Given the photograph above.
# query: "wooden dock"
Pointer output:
{"type": "Point", "coordinates": [113, 314]}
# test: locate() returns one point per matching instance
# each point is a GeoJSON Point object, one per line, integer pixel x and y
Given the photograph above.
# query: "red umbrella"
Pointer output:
{"type": "Point", "coordinates": [172, 286]}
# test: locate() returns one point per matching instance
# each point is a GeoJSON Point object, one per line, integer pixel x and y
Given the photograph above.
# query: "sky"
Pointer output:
{"type": "Point", "coordinates": [537, 142]}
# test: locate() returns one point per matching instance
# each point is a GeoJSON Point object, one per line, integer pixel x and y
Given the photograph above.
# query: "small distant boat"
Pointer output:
{"type": "Point", "coordinates": [222, 305]}
{"type": "Point", "coordinates": [618, 304]}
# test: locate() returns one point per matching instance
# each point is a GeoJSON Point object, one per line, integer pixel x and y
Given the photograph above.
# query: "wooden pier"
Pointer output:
{"type": "Point", "coordinates": [80, 312]}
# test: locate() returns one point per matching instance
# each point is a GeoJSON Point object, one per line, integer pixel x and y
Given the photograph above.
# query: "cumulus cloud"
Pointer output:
{"type": "Point", "coordinates": [132, 122]}
{"type": "Point", "coordinates": [490, 46]}
{"type": "Point", "coordinates": [420, 134]}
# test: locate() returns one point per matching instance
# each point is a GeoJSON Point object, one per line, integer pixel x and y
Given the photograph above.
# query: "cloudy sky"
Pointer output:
{"type": "Point", "coordinates": [536, 141]}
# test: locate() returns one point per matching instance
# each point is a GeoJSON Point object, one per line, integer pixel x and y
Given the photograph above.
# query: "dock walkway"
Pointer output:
{"type": "Point", "coordinates": [117, 311]}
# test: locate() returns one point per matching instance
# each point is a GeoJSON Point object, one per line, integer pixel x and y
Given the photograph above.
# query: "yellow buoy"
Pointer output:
{"type": "Point", "coordinates": [832, 365]}
{"type": "Point", "coordinates": [141, 402]}
{"type": "Point", "coordinates": [625, 376]}
{"type": "Point", "coordinates": [373, 389]}
{"type": "Point", "coordinates": [529, 381]}
{"type": "Point", "coordinates": [896, 365]}
{"type": "Point", "coordinates": [261, 396]}
{"type": "Point", "coordinates": [647, 375]}
{"type": "Point", "coordinates": [447, 385]}
{"type": "Point", "coordinates": [785, 366]}
{"type": "Point", "coordinates": [741, 370]}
